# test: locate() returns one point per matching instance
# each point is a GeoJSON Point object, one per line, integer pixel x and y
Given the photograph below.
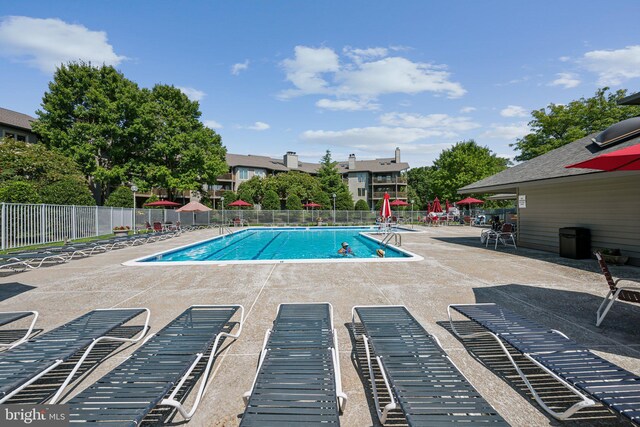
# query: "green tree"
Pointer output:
{"type": "Point", "coordinates": [344, 200]}
{"type": "Point", "coordinates": [557, 125]}
{"type": "Point", "coordinates": [331, 183]}
{"type": "Point", "coordinates": [68, 191]}
{"type": "Point", "coordinates": [271, 201]}
{"type": "Point", "coordinates": [464, 163]}
{"type": "Point", "coordinates": [182, 154]}
{"type": "Point", "coordinates": [229, 197]}
{"type": "Point", "coordinates": [19, 191]}
{"type": "Point", "coordinates": [55, 177]}
{"type": "Point", "coordinates": [92, 114]}
{"type": "Point", "coordinates": [121, 197]}
{"type": "Point", "coordinates": [418, 183]}
{"type": "Point", "coordinates": [362, 205]}
{"type": "Point", "coordinates": [294, 203]}
{"type": "Point", "coordinates": [252, 190]}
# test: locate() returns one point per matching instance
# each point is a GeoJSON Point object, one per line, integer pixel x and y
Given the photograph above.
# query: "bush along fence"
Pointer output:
{"type": "Point", "coordinates": [37, 224]}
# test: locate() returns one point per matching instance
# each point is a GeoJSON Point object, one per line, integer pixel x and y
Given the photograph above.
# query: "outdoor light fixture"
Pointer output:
{"type": "Point", "coordinates": [134, 188]}
{"type": "Point", "coordinates": [222, 202]}
{"type": "Point", "coordinates": [411, 213]}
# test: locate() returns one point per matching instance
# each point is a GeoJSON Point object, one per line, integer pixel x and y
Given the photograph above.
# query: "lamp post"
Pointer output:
{"type": "Point", "coordinates": [222, 203]}
{"type": "Point", "coordinates": [134, 188]}
{"type": "Point", "coordinates": [411, 213]}
{"type": "Point", "coordinates": [334, 208]}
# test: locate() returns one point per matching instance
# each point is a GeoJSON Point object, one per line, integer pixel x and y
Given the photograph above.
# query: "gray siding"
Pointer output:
{"type": "Point", "coordinates": [606, 203]}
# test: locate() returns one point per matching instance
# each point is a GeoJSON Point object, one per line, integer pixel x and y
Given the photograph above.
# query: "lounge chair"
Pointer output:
{"type": "Point", "coordinates": [157, 371]}
{"type": "Point", "coordinates": [9, 317]}
{"type": "Point", "coordinates": [585, 374]}
{"type": "Point", "coordinates": [34, 259]}
{"type": "Point", "coordinates": [13, 265]}
{"type": "Point", "coordinates": [21, 366]}
{"type": "Point", "coordinates": [419, 377]}
{"type": "Point", "coordinates": [298, 377]}
{"type": "Point", "coordinates": [622, 293]}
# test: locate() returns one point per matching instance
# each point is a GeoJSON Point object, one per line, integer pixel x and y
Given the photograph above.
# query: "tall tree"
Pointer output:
{"type": "Point", "coordinates": [464, 163]}
{"type": "Point", "coordinates": [418, 182]}
{"type": "Point", "coordinates": [92, 115]}
{"type": "Point", "coordinates": [557, 125]}
{"type": "Point", "coordinates": [331, 183]}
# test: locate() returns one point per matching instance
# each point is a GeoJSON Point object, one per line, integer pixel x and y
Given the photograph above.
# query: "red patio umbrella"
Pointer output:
{"type": "Point", "coordinates": [163, 203]}
{"type": "Point", "coordinates": [399, 203]}
{"type": "Point", "coordinates": [447, 204]}
{"type": "Point", "coordinates": [436, 206]}
{"type": "Point", "coordinates": [429, 208]}
{"type": "Point", "coordinates": [239, 203]}
{"type": "Point", "coordinates": [311, 205]}
{"type": "Point", "coordinates": [626, 159]}
{"type": "Point", "coordinates": [385, 210]}
{"type": "Point", "coordinates": [469, 201]}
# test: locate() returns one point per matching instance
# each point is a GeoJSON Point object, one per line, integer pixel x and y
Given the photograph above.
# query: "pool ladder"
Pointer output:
{"type": "Point", "coordinates": [397, 239]}
{"type": "Point", "coordinates": [223, 229]}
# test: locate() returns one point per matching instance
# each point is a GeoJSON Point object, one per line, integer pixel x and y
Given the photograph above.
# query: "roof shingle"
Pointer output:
{"type": "Point", "coordinates": [15, 119]}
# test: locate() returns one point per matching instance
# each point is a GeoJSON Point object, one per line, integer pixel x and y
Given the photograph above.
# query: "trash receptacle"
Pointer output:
{"type": "Point", "coordinates": [575, 242]}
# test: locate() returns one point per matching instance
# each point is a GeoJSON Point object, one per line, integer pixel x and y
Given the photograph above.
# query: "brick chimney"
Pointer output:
{"type": "Point", "coordinates": [352, 161]}
{"type": "Point", "coordinates": [397, 155]}
{"type": "Point", "coordinates": [291, 160]}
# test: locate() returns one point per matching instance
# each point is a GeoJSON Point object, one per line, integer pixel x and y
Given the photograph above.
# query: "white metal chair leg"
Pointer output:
{"type": "Point", "coordinates": [608, 301]}
{"type": "Point", "coordinates": [26, 336]}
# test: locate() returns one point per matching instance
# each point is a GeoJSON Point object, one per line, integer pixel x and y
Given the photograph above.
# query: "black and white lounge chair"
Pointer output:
{"type": "Point", "coordinates": [23, 365]}
{"type": "Point", "coordinates": [582, 372]}
{"type": "Point", "coordinates": [9, 317]}
{"type": "Point", "coordinates": [629, 293]}
{"type": "Point", "coordinates": [34, 259]}
{"type": "Point", "coordinates": [157, 371]}
{"type": "Point", "coordinates": [419, 377]}
{"type": "Point", "coordinates": [298, 376]}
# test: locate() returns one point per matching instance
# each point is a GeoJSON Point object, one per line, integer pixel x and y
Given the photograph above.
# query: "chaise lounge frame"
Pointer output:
{"type": "Point", "coordinates": [568, 356]}
{"type": "Point", "coordinates": [8, 317]}
{"type": "Point", "coordinates": [622, 293]}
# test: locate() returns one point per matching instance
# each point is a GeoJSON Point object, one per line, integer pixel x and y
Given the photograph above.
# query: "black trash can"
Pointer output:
{"type": "Point", "coordinates": [575, 242]}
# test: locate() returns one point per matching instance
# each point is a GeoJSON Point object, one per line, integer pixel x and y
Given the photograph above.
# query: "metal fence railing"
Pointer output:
{"type": "Point", "coordinates": [26, 224]}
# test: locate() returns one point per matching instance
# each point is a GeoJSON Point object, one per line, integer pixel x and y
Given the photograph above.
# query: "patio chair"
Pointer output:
{"type": "Point", "coordinates": [23, 365]}
{"type": "Point", "coordinates": [14, 266]}
{"type": "Point", "coordinates": [34, 259]}
{"type": "Point", "coordinates": [583, 373]}
{"type": "Point", "coordinates": [157, 371]}
{"type": "Point", "coordinates": [9, 317]}
{"type": "Point", "coordinates": [298, 377]}
{"type": "Point", "coordinates": [503, 236]}
{"type": "Point", "coordinates": [417, 374]}
{"type": "Point", "coordinates": [622, 293]}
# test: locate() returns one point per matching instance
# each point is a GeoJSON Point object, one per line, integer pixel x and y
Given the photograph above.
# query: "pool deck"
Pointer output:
{"type": "Point", "coordinates": [561, 293]}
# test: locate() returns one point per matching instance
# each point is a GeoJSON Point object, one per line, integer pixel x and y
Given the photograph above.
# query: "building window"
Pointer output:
{"type": "Point", "coordinates": [362, 177]}
{"type": "Point", "coordinates": [9, 135]}
{"type": "Point", "coordinates": [243, 174]}
{"type": "Point", "coordinates": [362, 192]}
{"type": "Point", "coordinates": [22, 138]}
{"type": "Point", "coordinates": [260, 173]}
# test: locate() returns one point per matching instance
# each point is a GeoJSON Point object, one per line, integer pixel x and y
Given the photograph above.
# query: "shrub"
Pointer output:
{"type": "Point", "coordinates": [271, 201]}
{"type": "Point", "coordinates": [121, 197]}
{"type": "Point", "coordinates": [18, 191]}
{"type": "Point", "coordinates": [294, 203]}
{"type": "Point", "coordinates": [362, 205]}
{"type": "Point", "coordinates": [67, 191]}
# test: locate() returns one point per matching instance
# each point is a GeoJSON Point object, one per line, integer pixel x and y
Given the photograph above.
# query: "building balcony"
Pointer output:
{"type": "Point", "coordinates": [392, 194]}
{"type": "Point", "coordinates": [225, 177]}
{"type": "Point", "coordinates": [380, 180]}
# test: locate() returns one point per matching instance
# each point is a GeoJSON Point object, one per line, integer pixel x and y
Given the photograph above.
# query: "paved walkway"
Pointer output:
{"type": "Point", "coordinates": [561, 293]}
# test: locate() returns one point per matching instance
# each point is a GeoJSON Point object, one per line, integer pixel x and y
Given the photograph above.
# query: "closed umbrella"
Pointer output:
{"type": "Point", "coordinates": [385, 210]}
{"type": "Point", "coordinates": [436, 206]}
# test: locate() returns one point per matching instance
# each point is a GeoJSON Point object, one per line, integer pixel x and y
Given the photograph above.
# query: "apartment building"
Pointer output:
{"type": "Point", "coordinates": [16, 126]}
{"type": "Point", "coordinates": [367, 179]}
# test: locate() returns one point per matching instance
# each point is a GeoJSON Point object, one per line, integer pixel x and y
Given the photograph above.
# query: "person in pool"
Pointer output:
{"type": "Point", "coordinates": [345, 249]}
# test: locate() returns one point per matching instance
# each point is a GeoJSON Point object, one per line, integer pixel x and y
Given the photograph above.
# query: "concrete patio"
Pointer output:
{"type": "Point", "coordinates": [560, 293]}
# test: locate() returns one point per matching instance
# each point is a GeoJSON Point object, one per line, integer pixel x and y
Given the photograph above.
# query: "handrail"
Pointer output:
{"type": "Point", "coordinates": [396, 236]}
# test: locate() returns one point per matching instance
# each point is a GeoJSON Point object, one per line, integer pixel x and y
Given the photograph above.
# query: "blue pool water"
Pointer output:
{"type": "Point", "coordinates": [279, 244]}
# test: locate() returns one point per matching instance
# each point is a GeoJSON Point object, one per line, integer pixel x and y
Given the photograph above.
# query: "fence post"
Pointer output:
{"type": "Point", "coordinates": [73, 222]}
{"type": "Point", "coordinates": [111, 220]}
{"type": "Point", "coordinates": [3, 237]}
{"type": "Point", "coordinates": [42, 224]}
{"type": "Point", "coordinates": [97, 222]}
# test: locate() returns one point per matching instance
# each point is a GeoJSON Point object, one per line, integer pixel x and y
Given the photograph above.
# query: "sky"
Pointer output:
{"type": "Point", "coordinates": [361, 77]}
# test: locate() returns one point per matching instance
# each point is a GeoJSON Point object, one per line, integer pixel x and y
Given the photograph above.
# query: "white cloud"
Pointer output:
{"type": "Point", "coordinates": [374, 138]}
{"type": "Point", "coordinates": [369, 75]}
{"type": "Point", "coordinates": [564, 59]}
{"type": "Point", "coordinates": [192, 94]}
{"type": "Point", "coordinates": [514, 111]}
{"type": "Point", "coordinates": [509, 132]}
{"type": "Point", "coordinates": [613, 66]}
{"type": "Point", "coordinates": [442, 123]}
{"type": "Point", "coordinates": [468, 109]}
{"type": "Point", "coordinates": [306, 69]}
{"type": "Point", "coordinates": [259, 126]}
{"type": "Point", "coordinates": [566, 80]}
{"type": "Point", "coordinates": [212, 124]}
{"type": "Point", "coordinates": [47, 43]}
{"type": "Point", "coordinates": [347, 105]}
{"type": "Point", "coordinates": [241, 66]}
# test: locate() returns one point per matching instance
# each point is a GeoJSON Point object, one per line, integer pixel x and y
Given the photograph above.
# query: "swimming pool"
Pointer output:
{"type": "Point", "coordinates": [284, 244]}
